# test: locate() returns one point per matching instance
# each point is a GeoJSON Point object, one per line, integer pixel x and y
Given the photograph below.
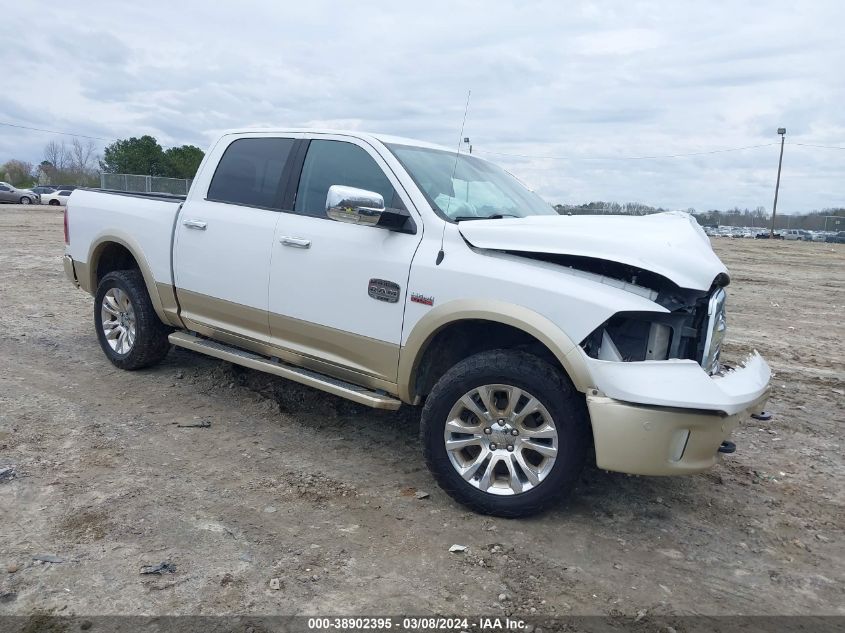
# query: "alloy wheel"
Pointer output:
{"type": "Point", "coordinates": [501, 439]}
{"type": "Point", "coordinates": [118, 320]}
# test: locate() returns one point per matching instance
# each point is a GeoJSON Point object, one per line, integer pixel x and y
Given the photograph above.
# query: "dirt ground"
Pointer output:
{"type": "Point", "coordinates": [288, 483]}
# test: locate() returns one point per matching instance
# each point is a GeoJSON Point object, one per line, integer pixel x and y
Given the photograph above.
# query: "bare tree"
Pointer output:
{"type": "Point", "coordinates": [56, 154]}
{"type": "Point", "coordinates": [76, 164]}
{"type": "Point", "coordinates": [82, 155]}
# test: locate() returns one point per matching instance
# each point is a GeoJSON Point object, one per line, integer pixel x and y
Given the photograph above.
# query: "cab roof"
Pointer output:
{"type": "Point", "coordinates": [366, 136]}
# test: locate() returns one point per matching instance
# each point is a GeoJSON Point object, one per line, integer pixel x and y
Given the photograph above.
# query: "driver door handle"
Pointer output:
{"type": "Point", "coordinates": [195, 224]}
{"type": "Point", "coordinates": [295, 242]}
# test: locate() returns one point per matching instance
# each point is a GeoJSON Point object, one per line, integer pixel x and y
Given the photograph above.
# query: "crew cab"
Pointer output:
{"type": "Point", "coordinates": [391, 271]}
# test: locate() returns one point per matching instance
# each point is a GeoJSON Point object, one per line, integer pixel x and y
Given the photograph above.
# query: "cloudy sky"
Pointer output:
{"type": "Point", "coordinates": [564, 94]}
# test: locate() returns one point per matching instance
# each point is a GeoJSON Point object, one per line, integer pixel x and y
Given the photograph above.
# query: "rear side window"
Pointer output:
{"type": "Point", "coordinates": [338, 163]}
{"type": "Point", "coordinates": [250, 172]}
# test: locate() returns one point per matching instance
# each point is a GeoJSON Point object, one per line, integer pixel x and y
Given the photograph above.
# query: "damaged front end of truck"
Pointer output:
{"type": "Point", "coordinates": [662, 402]}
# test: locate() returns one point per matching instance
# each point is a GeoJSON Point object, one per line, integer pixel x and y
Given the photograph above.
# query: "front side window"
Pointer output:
{"type": "Point", "coordinates": [339, 163]}
{"type": "Point", "coordinates": [250, 172]}
{"type": "Point", "coordinates": [468, 188]}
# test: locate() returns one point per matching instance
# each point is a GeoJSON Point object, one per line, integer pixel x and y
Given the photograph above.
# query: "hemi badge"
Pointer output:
{"type": "Point", "coordinates": [420, 298]}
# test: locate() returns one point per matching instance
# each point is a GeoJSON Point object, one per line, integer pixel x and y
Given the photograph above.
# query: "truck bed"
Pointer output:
{"type": "Point", "coordinates": [143, 222]}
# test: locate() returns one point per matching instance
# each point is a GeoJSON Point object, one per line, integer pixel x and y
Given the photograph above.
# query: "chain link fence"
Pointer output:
{"type": "Point", "coordinates": [145, 184]}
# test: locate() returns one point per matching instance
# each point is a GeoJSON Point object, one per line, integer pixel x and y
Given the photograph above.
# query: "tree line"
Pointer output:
{"type": "Point", "coordinates": [144, 156]}
{"type": "Point", "coordinates": [78, 163]}
{"type": "Point", "coordinates": [757, 217]}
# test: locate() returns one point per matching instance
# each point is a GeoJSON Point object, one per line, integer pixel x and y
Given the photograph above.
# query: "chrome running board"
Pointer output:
{"type": "Point", "coordinates": [347, 390]}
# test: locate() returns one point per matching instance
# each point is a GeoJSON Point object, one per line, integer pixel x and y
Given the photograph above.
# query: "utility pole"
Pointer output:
{"type": "Point", "coordinates": [782, 132]}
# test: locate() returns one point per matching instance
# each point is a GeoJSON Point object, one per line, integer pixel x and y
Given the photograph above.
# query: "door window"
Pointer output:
{"type": "Point", "coordinates": [250, 172]}
{"type": "Point", "coordinates": [339, 163]}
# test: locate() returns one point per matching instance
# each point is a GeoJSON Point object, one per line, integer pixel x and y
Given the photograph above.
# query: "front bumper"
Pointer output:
{"type": "Point", "coordinates": [669, 417]}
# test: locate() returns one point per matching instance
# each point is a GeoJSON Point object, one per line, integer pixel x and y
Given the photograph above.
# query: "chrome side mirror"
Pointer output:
{"type": "Point", "coordinates": [355, 206]}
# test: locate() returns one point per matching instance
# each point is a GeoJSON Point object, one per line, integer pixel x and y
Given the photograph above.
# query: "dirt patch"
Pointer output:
{"type": "Point", "coordinates": [85, 526]}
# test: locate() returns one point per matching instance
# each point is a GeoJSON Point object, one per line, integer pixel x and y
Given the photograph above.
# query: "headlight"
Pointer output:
{"type": "Point", "coordinates": [716, 330]}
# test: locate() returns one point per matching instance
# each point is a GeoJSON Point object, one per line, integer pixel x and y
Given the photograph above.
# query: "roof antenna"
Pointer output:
{"type": "Point", "coordinates": [440, 254]}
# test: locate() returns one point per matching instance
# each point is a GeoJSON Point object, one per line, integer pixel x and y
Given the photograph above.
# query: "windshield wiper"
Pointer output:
{"type": "Point", "coordinates": [496, 216]}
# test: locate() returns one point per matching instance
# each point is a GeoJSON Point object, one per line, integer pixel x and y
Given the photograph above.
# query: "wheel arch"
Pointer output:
{"type": "Point", "coordinates": [455, 327]}
{"type": "Point", "coordinates": [112, 252]}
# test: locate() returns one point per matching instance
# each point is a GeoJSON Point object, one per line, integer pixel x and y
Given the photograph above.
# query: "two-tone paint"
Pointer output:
{"type": "Point", "coordinates": [297, 288]}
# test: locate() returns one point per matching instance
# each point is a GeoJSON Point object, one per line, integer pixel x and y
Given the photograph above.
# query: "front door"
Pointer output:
{"type": "Point", "coordinates": [224, 240]}
{"type": "Point", "coordinates": [337, 290]}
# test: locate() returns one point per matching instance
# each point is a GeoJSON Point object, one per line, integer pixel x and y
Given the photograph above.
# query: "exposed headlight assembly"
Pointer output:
{"type": "Point", "coordinates": [716, 329]}
{"type": "Point", "coordinates": [693, 331]}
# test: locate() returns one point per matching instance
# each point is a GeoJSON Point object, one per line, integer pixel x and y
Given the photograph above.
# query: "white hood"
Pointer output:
{"type": "Point", "coordinates": [670, 244]}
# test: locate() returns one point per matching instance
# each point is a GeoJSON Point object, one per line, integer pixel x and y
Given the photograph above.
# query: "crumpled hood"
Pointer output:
{"type": "Point", "coordinates": [670, 244]}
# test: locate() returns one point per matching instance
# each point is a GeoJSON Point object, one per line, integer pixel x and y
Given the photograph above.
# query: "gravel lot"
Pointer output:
{"type": "Point", "coordinates": [292, 484]}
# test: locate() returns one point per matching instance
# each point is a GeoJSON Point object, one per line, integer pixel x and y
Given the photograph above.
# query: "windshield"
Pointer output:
{"type": "Point", "coordinates": [477, 190]}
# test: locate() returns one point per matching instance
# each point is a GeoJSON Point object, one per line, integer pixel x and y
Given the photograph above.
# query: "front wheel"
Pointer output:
{"type": "Point", "coordinates": [54, 203]}
{"type": "Point", "coordinates": [129, 330]}
{"type": "Point", "coordinates": [25, 200]}
{"type": "Point", "coordinates": [505, 433]}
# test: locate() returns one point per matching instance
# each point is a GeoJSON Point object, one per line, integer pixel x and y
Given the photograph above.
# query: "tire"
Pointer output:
{"type": "Point", "coordinates": [510, 491]}
{"type": "Point", "coordinates": [54, 203]}
{"type": "Point", "coordinates": [148, 345]}
{"type": "Point", "coordinates": [25, 200]}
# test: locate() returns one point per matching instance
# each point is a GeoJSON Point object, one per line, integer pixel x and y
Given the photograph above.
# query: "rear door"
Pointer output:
{"type": "Point", "coordinates": [337, 290]}
{"type": "Point", "coordinates": [224, 238]}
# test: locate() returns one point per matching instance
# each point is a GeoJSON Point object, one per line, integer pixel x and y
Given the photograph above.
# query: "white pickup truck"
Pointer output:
{"type": "Point", "coordinates": [390, 271]}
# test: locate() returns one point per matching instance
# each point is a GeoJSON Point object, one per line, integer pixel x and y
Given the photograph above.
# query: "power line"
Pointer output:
{"type": "Point", "coordinates": [38, 129]}
{"type": "Point", "coordinates": [715, 151]}
{"type": "Point", "coordinates": [484, 151]}
{"type": "Point", "coordinates": [822, 146]}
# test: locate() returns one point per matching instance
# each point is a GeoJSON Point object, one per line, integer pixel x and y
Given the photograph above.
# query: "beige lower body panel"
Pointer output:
{"type": "Point", "coordinates": [343, 355]}
{"type": "Point", "coordinates": [359, 354]}
{"type": "Point", "coordinates": [83, 277]}
{"type": "Point", "coordinates": [169, 305]}
{"type": "Point", "coordinates": [645, 440]}
{"type": "Point", "coordinates": [199, 310]}
{"type": "Point", "coordinates": [70, 270]}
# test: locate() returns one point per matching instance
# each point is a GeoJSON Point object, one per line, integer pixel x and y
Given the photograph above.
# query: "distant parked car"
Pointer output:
{"type": "Point", "coordinates": [43, 189]}
{"type": "Point", "coordinates": [57, 198]}
{"type": "Point", "coordinates": [8, 193]}
{"type": "Point", "coordinates": [765, 235]}
{"type": "Point", "coordinates": [838, 238]}
{"type": "Point", "coordinates": [797, 234]}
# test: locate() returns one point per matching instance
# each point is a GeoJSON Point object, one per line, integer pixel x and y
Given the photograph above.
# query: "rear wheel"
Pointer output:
{"type": "Point", "coordinates": [130, 332]}
{"type": "Point", "coordinates": [25, 200]}
{"type": "Point", "coordinates": [505, 433]}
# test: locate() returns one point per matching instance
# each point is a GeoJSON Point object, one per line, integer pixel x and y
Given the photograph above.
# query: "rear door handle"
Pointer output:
{"type": "Point", "coordinates": [199, 225]}
{"type": "Point", "coordinates": [296, 242]}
